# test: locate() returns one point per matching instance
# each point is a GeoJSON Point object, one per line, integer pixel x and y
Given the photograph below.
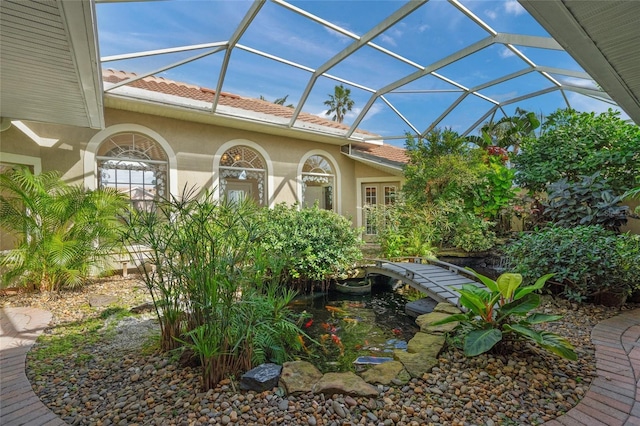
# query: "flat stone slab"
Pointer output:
{"type": "Point", "coordinates": [420, 307]}
{"type": "Point", "coordinates": [299, 377]}
{"type": "Point", "coordinates": [98, 300]}
{"type": "Point", "coordinates": [346, 384]}
{"type": "Point", "coordinates": [383, 373]}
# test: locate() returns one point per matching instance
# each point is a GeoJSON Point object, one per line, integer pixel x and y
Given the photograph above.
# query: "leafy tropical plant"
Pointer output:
{"type": "Point", "coordinates": [588, 260]}
{"type": "Point", "coordinates": [508, 132]}
{"type": "Point", "coordinates": [441, 165]}
{"type": "Point", "coordinates": [503, 312]}
{"type": "Point", "coordinates": [314, 244]}
{"type": "Point", "coordinates": [574, 144]}
{"type": "Point", "coordinates": [63, 233]}
{"type": "Point", "coordinates": [588, 201]}
{"type": "Point", "coordinates": [495, 192]}
{"type": "Point", "coordinates": [473, 234]}
{"type": "Point", "coordinates": [214, 287]}
{"type": "Point", "coordinates": [339, 103]}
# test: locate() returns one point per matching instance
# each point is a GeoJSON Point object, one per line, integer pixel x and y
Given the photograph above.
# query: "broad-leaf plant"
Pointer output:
{"type": "Point", "coordinates": [503, 311]}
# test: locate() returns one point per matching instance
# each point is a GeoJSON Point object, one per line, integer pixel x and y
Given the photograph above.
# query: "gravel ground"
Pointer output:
{"type": "Point", "coordinates": [117, 381]}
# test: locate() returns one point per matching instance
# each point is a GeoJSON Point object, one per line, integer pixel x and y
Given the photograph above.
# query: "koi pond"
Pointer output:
{"type": "Point", "coordinates": [341, 328]}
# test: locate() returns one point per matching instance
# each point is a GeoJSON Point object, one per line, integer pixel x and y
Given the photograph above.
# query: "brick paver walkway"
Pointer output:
{"type": "Point", "coordinates": [19, 328]}
{"type": "Point", "coordinates": [613, 398]}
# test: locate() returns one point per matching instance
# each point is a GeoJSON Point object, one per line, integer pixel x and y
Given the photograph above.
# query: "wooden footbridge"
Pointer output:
{"type": "Point", "coordinates": [436, 279]}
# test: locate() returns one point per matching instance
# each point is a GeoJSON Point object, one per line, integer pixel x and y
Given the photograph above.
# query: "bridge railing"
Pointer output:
{"type": "Point", "coordinates": [425, 261]}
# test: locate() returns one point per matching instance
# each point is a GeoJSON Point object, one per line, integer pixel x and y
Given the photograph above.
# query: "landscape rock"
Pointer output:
{"type": "Point", "coordinates": [263, 377]}
{"type": "Point", "coordinates": [346, 384]}
{"type": "Point", "coordinates": [425, 321]}
{"type": "Point", "coordinates": [382, 373]}
{"type": "Point", "coordinates": [427, 344]}
{"type": "Point", "coordinates": [97, 300]}
{"type": "Point", "coordinates": [299, 377]}
{"type": "Point", "coordinates": [446, 308]}
{"type": "Point", "coordinates": [143, 307]}
{"type": "Point", "coordinates": [416, 364]}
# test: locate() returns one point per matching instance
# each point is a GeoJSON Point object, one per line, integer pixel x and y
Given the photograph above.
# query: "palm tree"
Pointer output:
{"type": "Point", "coordinates": [62, 232]}
{"type": "Point", "coordinates": [279, 101]}
{"type": "Point", "coordinates": [339, 103]}
{"type": "Point", "coordinates": [508, 132]}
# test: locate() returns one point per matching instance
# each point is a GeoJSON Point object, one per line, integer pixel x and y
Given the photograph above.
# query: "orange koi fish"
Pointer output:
{"type": "Point", "coordinates": [338, 342]}
{"type": "Point", "coordinates": [328, 327]}
{"type": "Point", "coordinates": [335, 310]}
{"type": "Point", "coordinates": [350, 320]}
{"type": "Point", "coordinates": [301, 341]}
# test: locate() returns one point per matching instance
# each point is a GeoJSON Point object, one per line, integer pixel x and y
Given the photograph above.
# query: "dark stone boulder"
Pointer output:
{"type": "Point", "coordinates": [263, 377]}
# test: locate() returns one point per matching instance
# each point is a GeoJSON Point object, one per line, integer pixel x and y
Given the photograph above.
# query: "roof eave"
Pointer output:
{"type": "Point", "coordinates": [392, 167]}
{"type": "Point", "coordinates": [562, 25]}
{"type": "Point", "coordinates": [153, 107]}
{"type": "Point", "coordinates": [81, 24]}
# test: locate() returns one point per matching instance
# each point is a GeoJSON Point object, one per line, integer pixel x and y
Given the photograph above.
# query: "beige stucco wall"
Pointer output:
{"type": "Point", "coordinates": [194, 146]}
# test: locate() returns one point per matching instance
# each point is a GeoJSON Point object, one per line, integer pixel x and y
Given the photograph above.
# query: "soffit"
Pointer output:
{"type": "Point", "coordinates": [49, 62]}
{"type": "Point", "coordinates": [602, 36]}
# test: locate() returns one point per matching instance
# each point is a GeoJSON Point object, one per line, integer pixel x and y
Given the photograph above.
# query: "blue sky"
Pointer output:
{"type": "Point", "coordinates": [432, 32]}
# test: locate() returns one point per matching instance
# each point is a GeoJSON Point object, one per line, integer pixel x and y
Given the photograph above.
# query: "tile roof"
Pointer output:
{"type": "Point", "coordinates": [387, 152]}
{"type": "Point", "coordinates": [190, 91]}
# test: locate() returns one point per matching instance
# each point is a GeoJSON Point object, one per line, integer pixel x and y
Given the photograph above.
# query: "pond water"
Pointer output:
{"type": "Point", "coordinates": [340, 327]}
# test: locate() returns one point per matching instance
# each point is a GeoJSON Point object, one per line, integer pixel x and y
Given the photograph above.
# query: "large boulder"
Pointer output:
{"type": "Point", "coordinates": [416, 364]}
{"type": "Point", "coordinates": [446, 308]}
{"type": "Point", "coordinates": [425, 321]}
{"type": "Point", "coordinates": [346, 384]}
{"type": "Point", "coordinates": [263, 377]}
{"type": "Point", "coordinates": [426, 344]}
{"type": "Point", "coordinates": [299, 377]}
{"type": "Point", "coordinates": [382, 373]}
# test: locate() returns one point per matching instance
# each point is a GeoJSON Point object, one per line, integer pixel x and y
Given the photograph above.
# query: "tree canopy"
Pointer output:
{"type": "Point", "coordinates": [574, 144]}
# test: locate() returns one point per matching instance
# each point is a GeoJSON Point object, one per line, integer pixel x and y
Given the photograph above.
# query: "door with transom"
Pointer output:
{"type": "Point", "coordinates": [376, 197]}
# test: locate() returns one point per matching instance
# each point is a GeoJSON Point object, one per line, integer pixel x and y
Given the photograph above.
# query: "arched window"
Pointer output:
{"type": "Point", "coordinates": [242, 174]}
{"type": "Point", "coordinates": [135, 165]}
{"type": "Point", "coordinates": [318, 182]}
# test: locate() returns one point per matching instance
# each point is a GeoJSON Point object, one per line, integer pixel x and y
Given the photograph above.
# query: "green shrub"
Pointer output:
{"type": "Point", "coordinates": [502, 313]}
{"type": "Point", "coordinates": [587, 260]}
{"type": "Point", "coordinates": [214, 288]}
{"type": "Point", "coordinates": [589, 201]}
{"type": "Point", "coordinates": [473, 234]}
{"type": "Point", "coordinates": [64, 233]}
{"type": "Point", "coordinates": [404, 231]}
{"type": "Point", "coordinates": [574, 144]}
{"type": "Point", "coordinates": [313, 244]}
{"type": "Point", "coordinates": [495, 192]}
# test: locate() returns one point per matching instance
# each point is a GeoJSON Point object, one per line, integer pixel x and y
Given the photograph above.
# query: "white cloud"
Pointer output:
{"type": "Point", "coordinates": [491, 14]}
{"type": "Point", "coordinates": [424, 27]}
{"type": "Point", "coordinates": [584, 103]}
{"type": "Point", "coordinates": [578, 82]}
{"type": "Point", "coordinates": [506, 53]}
{"type": "Point", "coordinates": [512, 7]}
{"type": "Point", "coordinates": [388, 40]}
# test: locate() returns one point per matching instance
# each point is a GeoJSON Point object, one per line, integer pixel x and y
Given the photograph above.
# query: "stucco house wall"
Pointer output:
{"type": "Point", "coordinates": [194, 147]}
